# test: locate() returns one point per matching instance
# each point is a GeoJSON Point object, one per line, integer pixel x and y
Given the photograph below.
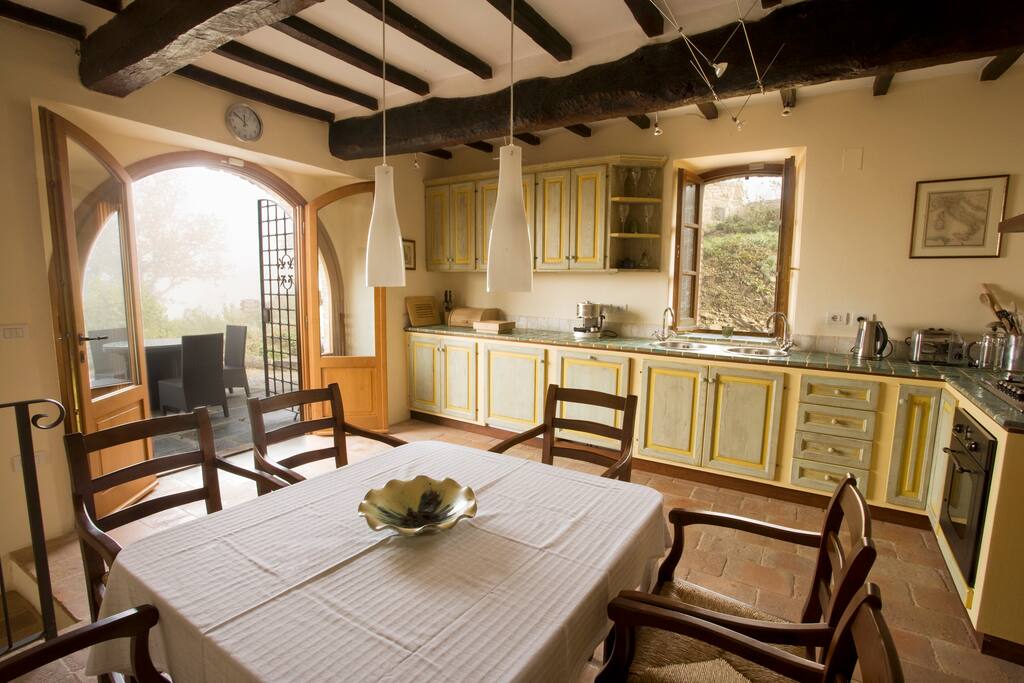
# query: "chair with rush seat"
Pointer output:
{"type": "Point", "coordinates": [839, 573]}
{"type": "Point", "coordinates": [619, 466]}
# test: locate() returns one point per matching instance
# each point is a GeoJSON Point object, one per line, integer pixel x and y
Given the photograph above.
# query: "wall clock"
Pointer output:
{"type": "Point", "coordinates": [243, 122]}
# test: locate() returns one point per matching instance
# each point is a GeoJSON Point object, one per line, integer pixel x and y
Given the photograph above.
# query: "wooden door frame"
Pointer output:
{"type": "Point", "coordinates": [311, 343]}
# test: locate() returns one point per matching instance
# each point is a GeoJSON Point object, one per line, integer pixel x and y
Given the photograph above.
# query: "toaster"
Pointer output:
{"type": "Point", "coordinates": [935, 345]}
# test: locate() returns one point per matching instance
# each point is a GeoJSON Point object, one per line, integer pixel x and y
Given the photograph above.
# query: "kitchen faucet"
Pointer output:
{"type": "Point", "coordinates": [665, 334]}
{"type": "Point", "coordinates": [785, 342]}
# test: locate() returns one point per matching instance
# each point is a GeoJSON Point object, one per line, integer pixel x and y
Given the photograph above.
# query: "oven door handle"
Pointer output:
{"type": "Point", "coordinates": [957, 459]}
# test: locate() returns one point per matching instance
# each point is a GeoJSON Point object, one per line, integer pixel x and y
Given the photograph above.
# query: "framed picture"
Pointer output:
{"type": "Point", "coordinates": [409, 252]}
{"type": "Point", "coordinates": [958, 217]}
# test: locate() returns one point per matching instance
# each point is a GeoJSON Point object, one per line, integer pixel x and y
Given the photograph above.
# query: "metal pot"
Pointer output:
{"type": "Point", "coordinates": [1013, 354]}
{"type": "Point", "coordinates": [990, 351]}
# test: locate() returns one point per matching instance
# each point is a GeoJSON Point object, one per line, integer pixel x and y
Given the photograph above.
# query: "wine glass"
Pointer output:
{"type": "Point", "coordinates": [623, 215]}
{"type": "Point", "coordinates": [648, 215]}
{"type": "Point", "coordinates": [621, 172]}
{"type": "Point", "coordinates": [650, 175]}
{"type": "Point", "coordinates": [634, 176]}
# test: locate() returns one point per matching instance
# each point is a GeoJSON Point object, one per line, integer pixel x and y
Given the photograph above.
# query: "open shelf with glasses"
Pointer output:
{"type": "Point", "coordinates": [634, 216]}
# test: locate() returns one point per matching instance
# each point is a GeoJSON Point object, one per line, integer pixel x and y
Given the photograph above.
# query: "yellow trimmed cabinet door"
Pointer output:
{"type": "Point", "coordinates": [486, 197]}
{"type": "Point", "coordinates": [458, 394]}
{"type": "Point", "coordinates": [741, 429]}
{"type": "Point", "coordinates": [910, 466]}
{"type": "Point", "coordinates": [943, 437]}
{"type": "Point", "coordinates": [551, 230]}
{"type": "Point", "coordinates": [462, 226]}
{"type": "Point", "coordinates": [425, 373]}
{"type": "Point", "coordinates": [437, 221]}
{"type": "Point", "coordinates": [672, 399]}
{"type": "Point", "coordinates": [589, 208]}
{"type": "Point", "coordinates": [605, 373]}
{"type": "Point", "coordinates": [513, 386]}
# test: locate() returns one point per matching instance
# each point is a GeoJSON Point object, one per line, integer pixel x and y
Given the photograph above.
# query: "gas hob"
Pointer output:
{"type": "Point", "coordinates": [1010, 389]}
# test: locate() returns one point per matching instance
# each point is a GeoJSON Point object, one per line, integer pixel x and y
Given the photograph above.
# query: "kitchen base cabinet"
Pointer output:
{"type": "Point", "coordinates": [605, 373]}
{"type": "Point", "coordinates": [514, 386]}
{"type": "Point", "coordinates": [425, 373]}
{"type": "Point", "coordinates": [670, 423]}
{"type": "Point", "coordinates": [741, 429]}
{"type": "Point", "coordinates": [823, 476]}
{"type": "Point", "coordinates": [458, 391]}
{"type": "Point", "coordinates": [943, 432]}
{"type": "Point", "coordinates": [913, 440]}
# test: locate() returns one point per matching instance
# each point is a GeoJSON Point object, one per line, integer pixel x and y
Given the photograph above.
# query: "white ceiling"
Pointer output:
{"type": "Point", "coordinates": [599, 31]}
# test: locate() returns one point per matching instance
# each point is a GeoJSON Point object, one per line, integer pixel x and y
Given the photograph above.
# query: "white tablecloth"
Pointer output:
{"type": "Point", "coordinates": [294, 586]}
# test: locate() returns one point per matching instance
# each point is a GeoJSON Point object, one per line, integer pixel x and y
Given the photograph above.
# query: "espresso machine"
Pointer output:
{"type": "Point", "coordinates": [589, 321]}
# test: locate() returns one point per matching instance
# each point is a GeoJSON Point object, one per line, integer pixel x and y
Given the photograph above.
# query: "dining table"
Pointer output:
{"type": "Point", "coordinates": [295, 586]}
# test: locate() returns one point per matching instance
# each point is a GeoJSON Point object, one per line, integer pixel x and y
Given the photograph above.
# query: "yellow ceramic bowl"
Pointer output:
{"type": "Point", "coordinates": [417, 506]}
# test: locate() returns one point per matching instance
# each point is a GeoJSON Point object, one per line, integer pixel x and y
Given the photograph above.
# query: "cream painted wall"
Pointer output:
{"type": "Point", "coordinates": [174, 113]}
{"type": "Point", "coordinates": [855, 223]}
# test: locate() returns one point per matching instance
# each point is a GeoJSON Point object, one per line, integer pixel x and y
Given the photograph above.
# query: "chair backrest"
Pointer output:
{"type": "Point", "coordinates": [841, 571]}
{"type": "Point", "coordinates": [262, 439]}
{"type": "Point", "coordinates": [84, 487]}
{"type": "Point", "coordinates": [202, 368]}
{"type": "Point", "coordinates": [234, 345]}
{"type": "Point", "coordinates": [619, 465]}
{"type": "Point", "coordinates": [862, 636]}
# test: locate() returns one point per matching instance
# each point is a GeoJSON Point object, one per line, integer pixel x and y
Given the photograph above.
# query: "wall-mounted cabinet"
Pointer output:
{"type": "Point", "coordinates": [590, 214]}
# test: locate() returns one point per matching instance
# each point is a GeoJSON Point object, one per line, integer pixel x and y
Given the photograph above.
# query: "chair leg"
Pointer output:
{"type": "Point", "coordinates": [224, 406]}
{"type": "Point", "coordinates": [247, 386]}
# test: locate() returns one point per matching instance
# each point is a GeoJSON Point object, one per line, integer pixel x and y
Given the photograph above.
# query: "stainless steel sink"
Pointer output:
{"type": "Point", "coordinates": [680, 345]}
{"type": "Point", "coordinates": [757, 351]}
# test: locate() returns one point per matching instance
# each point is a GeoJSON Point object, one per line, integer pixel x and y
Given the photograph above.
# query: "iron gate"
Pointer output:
{"type": "Point", "coordinates": [279, 298]}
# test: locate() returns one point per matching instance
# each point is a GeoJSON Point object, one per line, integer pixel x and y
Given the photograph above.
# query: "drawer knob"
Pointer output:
{"type": "Point", "coordinates": [838, 392]}
{"type": "Point", "coordinates": [830, 450]}
{"type": "Point", "coordinates": [835, 421]}
{"type": "Point", "coordinates": [831, 477]}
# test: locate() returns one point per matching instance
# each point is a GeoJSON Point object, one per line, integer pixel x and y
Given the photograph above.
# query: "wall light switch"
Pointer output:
{"type": "Point", "coordinates": [13, 332]}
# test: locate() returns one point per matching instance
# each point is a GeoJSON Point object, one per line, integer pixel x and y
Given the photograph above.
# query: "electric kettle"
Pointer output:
{"type": "Point", "coordinates": [872, 340]}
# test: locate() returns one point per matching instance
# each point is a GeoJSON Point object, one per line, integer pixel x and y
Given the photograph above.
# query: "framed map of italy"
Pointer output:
{"type": "Point", "coordinates": [958, 217]}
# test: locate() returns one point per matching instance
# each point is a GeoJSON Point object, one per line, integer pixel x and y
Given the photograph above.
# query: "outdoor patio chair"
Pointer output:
{"type": "Point", "coordinates": [234, 358]}
{"type": "Point", "coordinates": [202, 376]}
{"type": "Point", "coordinates": [108, 367]}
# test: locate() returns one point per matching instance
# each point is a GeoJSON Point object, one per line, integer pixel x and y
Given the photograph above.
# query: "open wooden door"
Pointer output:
{"type": "Point", "coordinates": [344, 331]}
{"type": "Point", "coordinates": [95, 291]}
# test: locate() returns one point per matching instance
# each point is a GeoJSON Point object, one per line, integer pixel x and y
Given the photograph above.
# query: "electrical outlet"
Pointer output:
{"type": "Point", "coordinates": [858, 316]}
{"type": "Point", "coordinates": [837, 319]}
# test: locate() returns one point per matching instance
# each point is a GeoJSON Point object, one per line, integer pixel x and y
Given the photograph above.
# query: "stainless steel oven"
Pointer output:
{"type": "Point", "coordinates": [968, 473]}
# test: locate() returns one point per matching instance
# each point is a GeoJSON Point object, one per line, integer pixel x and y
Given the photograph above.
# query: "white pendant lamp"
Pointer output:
{"type": "Point", "coordinates": [510, 249]}
{"type": "Point", "coordinates": [385, 264]}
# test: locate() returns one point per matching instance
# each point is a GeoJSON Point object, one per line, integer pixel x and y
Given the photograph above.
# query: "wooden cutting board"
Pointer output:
{"type": "Point", "coordinates": [422, 311]}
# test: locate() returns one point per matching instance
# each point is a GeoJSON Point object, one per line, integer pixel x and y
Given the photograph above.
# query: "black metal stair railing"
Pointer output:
{"type": "Point", "coordinates": [25, 421]}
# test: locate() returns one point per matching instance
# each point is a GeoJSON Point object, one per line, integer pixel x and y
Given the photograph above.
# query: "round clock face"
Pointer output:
{"type": "Point", "coordinates": [244, 123]}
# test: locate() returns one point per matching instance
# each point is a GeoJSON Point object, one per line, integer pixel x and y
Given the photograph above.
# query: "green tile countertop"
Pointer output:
{"type": "Point", "coordinates": [964, 380]}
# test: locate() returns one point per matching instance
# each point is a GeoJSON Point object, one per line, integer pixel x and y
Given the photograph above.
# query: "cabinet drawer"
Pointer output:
{"type": "Point", "coordinates": [838, 450]}
{"type": "Point", "coordinates": [839, 391]}
{"type": "Point", "coordinates": [859, 424]}
{"type": "Point", "coordinates": [818, 475]}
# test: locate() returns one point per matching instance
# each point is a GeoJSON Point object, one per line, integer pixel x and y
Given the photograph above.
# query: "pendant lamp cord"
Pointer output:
{"type": "Point", "coordinates": [511, 68]}
{"type": "Point", "coordinates": [383, 81]}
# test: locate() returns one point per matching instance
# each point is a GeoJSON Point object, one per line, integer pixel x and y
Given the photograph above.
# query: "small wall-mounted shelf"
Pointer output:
{"type": "Point", "coordinates": [636, 200]}
{"type": "Point", "coordinates": [637, 235]}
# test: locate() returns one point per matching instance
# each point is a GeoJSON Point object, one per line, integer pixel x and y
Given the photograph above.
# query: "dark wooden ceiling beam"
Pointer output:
{"type": "Point", "coordinates": [530, 22]}
{"type": "Point", "coordinates": [47, 22]}
{"type": "Point", "coordinates": [788, 97]}
{"type": "Point", "coordinates": [840, 39]}
{"type": "Point", "coordinates": [580, 129]}
{"type": "Point", "coordinates": [402, 21]}
{"type": "Point", "coordinates": [439, 153]}
{"type": "Point", "coordinates": [251, 92]}
{"type": "Point", "coordinates": [325, 41]}
{"type": "Point", "coordinates": [244, 54]}
{"type": "Point", "coordinates": [708, 110]}
{"type": "Point", "coordinates": [768, 4]}
{"type": "Point", "coordinates": [647, 16]}
{"type": "Point", "coordinates": [482, 146]}
{"type": "Point", "coordinates": [998, 66]}
{"type": "Point", "coordinates": [641, 121]}
{"type": "Point", "coordinates": [149, 39]}
{"type": "Point", "coordinates": [882, 83]}
{"type": "Point", "coordinates": [527, 138]}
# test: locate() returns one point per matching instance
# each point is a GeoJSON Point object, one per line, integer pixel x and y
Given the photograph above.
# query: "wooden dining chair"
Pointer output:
{"type": "Point", "coordinates": [861, 637]}
{"type": "Point", "coordinates": [98, 549]}
{"type": "Point", "coordinates": [840, 571]}
{"type": "Point", "coordinates": [262, 439]}
{"type": "Point", "coordinates": [619, 462]}
{"type": "Point", "coordinates": [134, 623]}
